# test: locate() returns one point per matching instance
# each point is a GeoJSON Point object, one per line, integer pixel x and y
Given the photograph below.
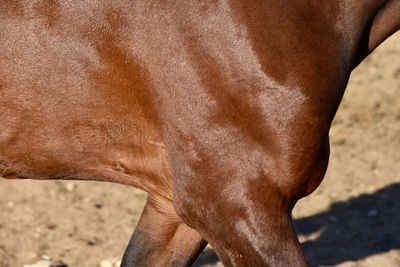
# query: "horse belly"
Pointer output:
{"type": "Point", "coordinates": [75, 104]}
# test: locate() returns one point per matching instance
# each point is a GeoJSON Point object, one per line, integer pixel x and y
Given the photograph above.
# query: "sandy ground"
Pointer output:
{"type": "Point", "coordinates": [353, 219]}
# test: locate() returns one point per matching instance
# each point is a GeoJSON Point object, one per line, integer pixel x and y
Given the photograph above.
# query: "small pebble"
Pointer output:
{"type": "Point", "coordinates": [46, 257]}
{"type": "Point", "coordinates": [106, 263]}
{"type": "Point", "coordinates": [110, 263]}
{"type": "Point", "coordinates": [70, 187]}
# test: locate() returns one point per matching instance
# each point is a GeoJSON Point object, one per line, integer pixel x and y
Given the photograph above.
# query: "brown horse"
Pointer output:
{"type": "Point", "coordinates": [219, 109]}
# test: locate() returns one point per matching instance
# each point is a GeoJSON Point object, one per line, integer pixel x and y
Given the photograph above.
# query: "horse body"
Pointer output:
{"type": "Point", "coordinates": [220, 110]}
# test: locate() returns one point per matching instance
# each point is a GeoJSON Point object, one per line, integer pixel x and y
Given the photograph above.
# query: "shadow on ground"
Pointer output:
{"type": "Point", "coordinates": [207, 257]}
{"type": "Point", "coordinates": [354, 229]}
{"type": "Point", "coordinates": [351, 230]}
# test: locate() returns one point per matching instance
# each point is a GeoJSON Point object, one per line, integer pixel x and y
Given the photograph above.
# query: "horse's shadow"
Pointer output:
{"type": "Point", "coordinates": [350, 230]}
{"type": "Point", "coordinates": [354, 229]}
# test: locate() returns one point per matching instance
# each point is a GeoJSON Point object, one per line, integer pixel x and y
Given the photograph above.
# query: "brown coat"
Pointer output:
{"type": "Point", "coordinates": [219, 109]}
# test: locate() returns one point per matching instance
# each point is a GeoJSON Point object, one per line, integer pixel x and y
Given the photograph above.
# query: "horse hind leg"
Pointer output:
{"type": "Point", "coordinates": [162, 239]}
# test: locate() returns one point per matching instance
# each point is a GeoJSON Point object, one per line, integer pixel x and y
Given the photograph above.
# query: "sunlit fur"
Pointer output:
{"type": "Point", "coordinates": [219, 109]}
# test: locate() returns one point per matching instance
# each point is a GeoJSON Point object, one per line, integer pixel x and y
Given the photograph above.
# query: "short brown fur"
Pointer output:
{"type": "Point", "coordinates": [219, 109]}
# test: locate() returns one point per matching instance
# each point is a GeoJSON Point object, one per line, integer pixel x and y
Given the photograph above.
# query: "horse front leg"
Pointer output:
{"type": "Point", "coordinates": [162, 239]}
{"type": "Point", "coordinates": [251, 226]}
{"type": "Point", "coordinates": [244, 209]}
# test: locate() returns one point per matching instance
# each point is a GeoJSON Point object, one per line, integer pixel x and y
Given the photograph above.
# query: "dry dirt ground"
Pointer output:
{"type": "Point", "coordinates": [353, 219]}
